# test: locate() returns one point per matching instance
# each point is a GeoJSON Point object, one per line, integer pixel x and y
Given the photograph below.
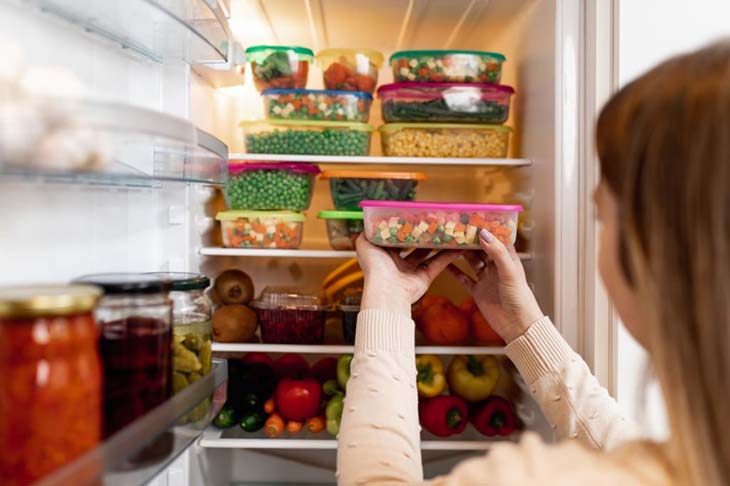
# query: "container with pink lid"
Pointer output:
{"type": "Point", "coordinates": [270, 186]}
{"type": "Point", "coordinates": [445, 102]}
{"type": "Point", "coordinates": [402, 224]}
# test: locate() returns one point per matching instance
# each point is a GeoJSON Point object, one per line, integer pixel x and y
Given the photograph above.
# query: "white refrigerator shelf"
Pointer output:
{"type": "Point", "coordinates": [344, 348]}
{"type": "Point", "coordinates": [373, 159]}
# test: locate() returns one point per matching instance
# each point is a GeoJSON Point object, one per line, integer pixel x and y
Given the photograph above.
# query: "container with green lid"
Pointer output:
{"type": "Point", "coordinates": [261, 229]}
{"type": "Point", "coordinates": [444, 140]}
{"type": "Point", "coordinates": [279, 66]}
{"type": "Point", "coordinates": [343, 228]}
{"type": "Point", "coordinates": [452, 66]}
{"type": "Point", "coordinates": [306, 137]}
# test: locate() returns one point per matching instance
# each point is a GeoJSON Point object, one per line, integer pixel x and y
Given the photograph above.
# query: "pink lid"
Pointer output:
{"type": "Point", "coordinates": [435, 206]}
{"type": "Point", "coordinates": [441, 87]}
{"type": "Point", "coordinates": [234, 167]}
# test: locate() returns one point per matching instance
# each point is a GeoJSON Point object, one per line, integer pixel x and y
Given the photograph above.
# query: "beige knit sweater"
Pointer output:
{"type": "Point", "coordinates": [379, 436]}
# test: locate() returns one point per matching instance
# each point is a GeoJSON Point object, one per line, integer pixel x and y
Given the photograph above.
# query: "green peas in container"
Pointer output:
{"type": "Point", "coordinates": [270, 186]}
{"type": "Point", "coordinates": [305, 137]}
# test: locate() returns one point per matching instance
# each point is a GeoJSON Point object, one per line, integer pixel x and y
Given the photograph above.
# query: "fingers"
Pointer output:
{"type": "Point", "coordinates": [498, 253]}
{"type": "Point", "coordinates": [475, 261]}
{"type": "Point", "coordinates": [464, 279]}
{"type": "Point", "coordinates": [439, 263]}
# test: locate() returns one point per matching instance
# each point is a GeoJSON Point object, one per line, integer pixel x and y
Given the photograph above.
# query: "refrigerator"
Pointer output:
{"type": "Point", "coordinates": [163, 86]}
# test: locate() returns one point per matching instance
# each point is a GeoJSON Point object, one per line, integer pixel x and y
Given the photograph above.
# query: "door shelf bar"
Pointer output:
{"type": "Point", "coordinates": [343, 348]}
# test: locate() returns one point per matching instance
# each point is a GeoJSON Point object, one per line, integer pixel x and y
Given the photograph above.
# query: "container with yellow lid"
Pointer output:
{"type": "Point", "coordinates": [350, 187]}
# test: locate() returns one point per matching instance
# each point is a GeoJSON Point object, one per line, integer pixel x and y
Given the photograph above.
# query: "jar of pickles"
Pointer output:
{"type": "Point", "coordinates": [51, 391]}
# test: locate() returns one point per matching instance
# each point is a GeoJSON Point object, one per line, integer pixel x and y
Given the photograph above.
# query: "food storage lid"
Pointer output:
{"type": "Point", "coordinates": [259, 53]}
{"type": "Point", "coordinates": [328, 92]}
{"type": "Point", "coordinates": [126, 283]}
{"type": "Point", "coordinates": [286, 216]}
{"type": "Point", "coordinates": [288, 298]}
{"type": "Point", "coordinates": [184, 281]}
{"type": "Point", "coordinates": [440, 53]}
{"type": "Point", "coordinates": [436, 206]}
{"type": "Point", "coordinates": [340, 215]}
{"type": "Point", "coordinates": [394, 127]}
{"type": "Point", "coordinates": [374, 56]}
{"type": "Point", "coordinates": [372, 174]}
{"type": "Point", "coordinates": [431, 90]}
{"type": "Point", "coordinates": [363, 127]}
{"type": "Point", "coordinates": [28, 301]}
{"type": "Point", "coordinates": [236, 166]}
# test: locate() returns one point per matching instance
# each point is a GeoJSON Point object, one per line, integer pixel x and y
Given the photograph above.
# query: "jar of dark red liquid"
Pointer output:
{"type": "Point", "coordinates": [50, 379]}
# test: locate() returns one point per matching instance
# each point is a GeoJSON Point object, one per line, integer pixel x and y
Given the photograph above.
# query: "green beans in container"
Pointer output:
{"type": "Point", "coordinates": [270, 186]}
{"type": "Point", "coordinates": [306, 137]}
{"type": "Point", "coordinates": [350, 187]}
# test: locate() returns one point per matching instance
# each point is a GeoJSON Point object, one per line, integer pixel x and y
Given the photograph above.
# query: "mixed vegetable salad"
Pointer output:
{"type": "Point", "coordinates": [447, 66]}
{"type": "Point", "coordinates": [261, 229]}
{"type": "Point", "coordinates": [315, 104]}
{"type": "Point", "coordinates": [307, 137]}
{"type": "Point", "coordinates": [279, 66]}
{"type": "Point", "coordinates": [270, 186]}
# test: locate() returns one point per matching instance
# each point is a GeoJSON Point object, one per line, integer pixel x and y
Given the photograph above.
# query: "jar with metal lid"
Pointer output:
{"type": "Point", "coordinates": [51, 391]}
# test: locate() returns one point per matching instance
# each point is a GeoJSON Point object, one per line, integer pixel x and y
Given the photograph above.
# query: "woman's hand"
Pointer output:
{"type": "Point", "coordinates": [501, 289]}
{"type": "Point", "coordinates": [394, 283]}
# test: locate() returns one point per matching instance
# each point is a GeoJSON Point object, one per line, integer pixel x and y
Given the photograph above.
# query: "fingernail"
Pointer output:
{"type": "Point", "coordinates": [486, 236]}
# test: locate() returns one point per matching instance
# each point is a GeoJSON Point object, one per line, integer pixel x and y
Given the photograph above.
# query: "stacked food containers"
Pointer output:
{"type": "Point", "coordinates": [445, 104]}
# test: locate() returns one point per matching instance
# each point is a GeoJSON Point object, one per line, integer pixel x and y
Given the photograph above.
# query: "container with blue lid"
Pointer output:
{"type": "Point", "coordinates": [317, 105]}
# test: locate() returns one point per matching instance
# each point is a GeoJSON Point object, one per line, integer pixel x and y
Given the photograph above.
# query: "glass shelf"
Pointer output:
{"type": "Point", "coordinates": [165, 424]}
{"type": "Point", "coordinates": [145, 148]}
{"type": "Point", "coordinates": [195, 31]}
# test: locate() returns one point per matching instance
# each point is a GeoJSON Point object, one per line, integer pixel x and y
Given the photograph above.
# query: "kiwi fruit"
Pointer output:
{"type": "Point", "coordinates": [234, 324]}
{"type": "Point", "coordinates": [234, 287]}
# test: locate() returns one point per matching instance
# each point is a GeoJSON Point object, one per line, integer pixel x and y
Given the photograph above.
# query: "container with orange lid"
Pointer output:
{"type": "Point", "coordinates": [350, 187]}
{"type": "Point", "coordinates": [51, 392]}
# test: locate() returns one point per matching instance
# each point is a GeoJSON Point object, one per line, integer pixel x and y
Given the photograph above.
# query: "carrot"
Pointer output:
{"type": "Point", "coordinates": [269, 406]}
{"type": "Point", "coordinates": [274, 425]}
{"type": "Point", "coordinates": [407, 228]}
{"type": "Point", "coordinates": [294, 427]}
{"type": "Point", "coordinates": [476, 220]}
{"type": "Point", "coordinates": [459, 227]}
{"type": "Point", "coordinates": [432, 228]}
{"type": "Point", "coordinates": [259, 228]}
{"type": "Point", "coordinates": [315, 424]}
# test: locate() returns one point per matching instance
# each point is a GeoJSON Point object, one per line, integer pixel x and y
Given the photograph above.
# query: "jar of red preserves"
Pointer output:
{"type": "Point", "coordinates": [51, 383]}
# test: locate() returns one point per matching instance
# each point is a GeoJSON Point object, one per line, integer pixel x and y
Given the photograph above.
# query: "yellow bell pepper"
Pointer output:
{"type": "Point", "coordinates": [473, 378]}
{"type": "Point", "coordinates": [431, 380]}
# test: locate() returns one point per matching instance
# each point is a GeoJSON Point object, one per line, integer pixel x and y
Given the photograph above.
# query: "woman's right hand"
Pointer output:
{"type": "Point", "coordinates": [501, 290]}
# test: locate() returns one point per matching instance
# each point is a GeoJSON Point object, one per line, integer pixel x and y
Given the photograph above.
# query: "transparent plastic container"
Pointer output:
{"type": "Point", "coordinates": [290, 317]}
{"type": "Point", "coordinates": [270, 186]}
{"type": "Point", "coordinates": [350, 187]}
{"type": "Point", "coordinates": [452, 66]}
{"type": "Point", "coordinates": [444, 140]}
{"type": "Point", "coordinates": [350, 69]}
{"type": "Point", "coordinates": [437, 225]}
{"type": "Point", "coordinates": [317, 105]}
{"type": "Point", "coordinates": [279, 66]}
{"type": "Point", "coordinates": [261, 229]}
{"type": "Point", "coordinates": [343, 228]}
{"type": "Point", "coordinates": [445, 102]}
{"type": "Point", "coordinates": [305, 137]}
{"type": "Point", "coordinates": [350, 308]}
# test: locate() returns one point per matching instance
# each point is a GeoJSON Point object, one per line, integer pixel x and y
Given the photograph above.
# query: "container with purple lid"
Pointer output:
{"type": "Point", "coordinates": [270, 185]}
{"type": "Point", "coordinates": [445, 102]}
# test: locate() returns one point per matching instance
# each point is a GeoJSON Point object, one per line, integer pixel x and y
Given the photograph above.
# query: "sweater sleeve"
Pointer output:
{"type": "Point", "coordinates": [568, 394]}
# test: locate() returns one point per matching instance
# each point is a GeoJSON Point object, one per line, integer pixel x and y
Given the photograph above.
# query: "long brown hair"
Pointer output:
{"type": "Point", "coordinates": [664, 146]}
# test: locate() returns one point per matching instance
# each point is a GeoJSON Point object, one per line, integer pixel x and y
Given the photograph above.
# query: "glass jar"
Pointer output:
{"type": "Point", "coordinates": [51, 391]}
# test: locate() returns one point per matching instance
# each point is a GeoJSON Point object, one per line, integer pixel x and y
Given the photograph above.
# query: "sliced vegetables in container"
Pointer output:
{"type": "Point", "coordinates": [261, 229]}
{"type": "Point", "coordinates": [452, 66]}
{"type": "Point", "coordinates": [317, 104]}
{"type": "Point", "coordinates": [350, 187]}
{"type": "Point", "coordinates": [279, 66]}
{"type": "Point", "coordinates": [445, 102]}
{"type": "Point", "coordinates": [350, 69]}
{"type": "Point", "coordinates": [343, 228]}
{"type": "Point", "coordinates": [267, 186]}
{"type": "Point", "coordinates": [444, 140]}
{"type": "Point", "coordinates": [287, 316]}
{"type": "Point", "coordinates": [437, 225]}
{"type": "Point", "coordinates": [306, 137]}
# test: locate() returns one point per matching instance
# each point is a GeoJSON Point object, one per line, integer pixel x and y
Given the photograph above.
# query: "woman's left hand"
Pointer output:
{"type": "Point", "coordinates": [394, 283]}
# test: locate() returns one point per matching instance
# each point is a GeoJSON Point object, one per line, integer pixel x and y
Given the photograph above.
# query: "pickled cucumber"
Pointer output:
{"type": "Point", "coordinates": [193, 341]}
{"type": "Point", "coordinates": [191, 355]}
{"type": "Point", "coordinates": [206, 356]}
{"type": "Point", "coordinates": [179, 382]}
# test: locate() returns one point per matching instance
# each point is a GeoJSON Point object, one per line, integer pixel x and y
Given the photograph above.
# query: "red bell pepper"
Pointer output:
{"type": "Point", "coordinates": [257, 357]}
{"type": "Point", "coordinates": [325, 369]}
{"type": "Point", "coordinates": [495, 416]}
{"type": "Point", "coordinates": [443, 415]}
{"type": "Point", "coordinates": [291, 365]}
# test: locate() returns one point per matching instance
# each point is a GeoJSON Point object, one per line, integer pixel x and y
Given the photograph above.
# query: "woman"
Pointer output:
{"type": "Point", "coordinates": [664, 203]}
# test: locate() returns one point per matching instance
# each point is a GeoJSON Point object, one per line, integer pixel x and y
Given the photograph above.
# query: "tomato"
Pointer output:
{"type": "Point", "coordinates": [483, 332]}
{"type": "Point", "coordinates": [298, 399]}
{"type": "Point", "coordinates": [290, 365]}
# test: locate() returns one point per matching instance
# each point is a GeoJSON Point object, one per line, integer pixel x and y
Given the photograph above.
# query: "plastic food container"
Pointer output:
{"type": "Point", "coordinates": [445, 102]}
{"type": "Point", "coordinates": [343, 228]}
{"type": "Point", "coordinates": [261, 229]}
{"type": "Point", "coordinates": [350, 187]}
{"type": "Point", "coordinates": [350, 308]}
{"type": "Point", "coordinates": [317, 104]}
{"type": "Point", "coordinates": [350, 69]}
{"type": "Point", "coordinates": [279, 66]}
{"type": "Point", "coordinates": [267, 186]}
{"type": "Point", "coordinates": [307, 137]}
{"type": "Point", "coordinates": [290, 317]}
{"type": "Point", "coordinates": [447, 66]}
{"type": "Point", "coordinates": [444, 140]}
{"type": "Point", "coordinates": [437, 225]}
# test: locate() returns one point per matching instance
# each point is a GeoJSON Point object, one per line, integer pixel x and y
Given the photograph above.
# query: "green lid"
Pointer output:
{"type": "Point", "coordinates": [439, 53]}
{"type": "Point", "coordinates": [394, 127]}
{"type": "Point", "coordinates": [340, 215]}
{"type": "Point", "coordinates": [287, 216]}
{"type": "Point", "coordinates": [259, 53]}
{"type": "Point", "coordinates": [362, 127]}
